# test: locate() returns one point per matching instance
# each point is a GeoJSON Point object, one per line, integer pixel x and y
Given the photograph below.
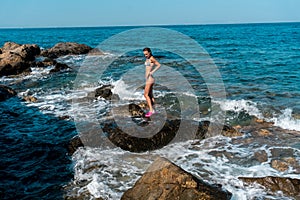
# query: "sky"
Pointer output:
{"type": "Point", "coordinates": [86, 13]}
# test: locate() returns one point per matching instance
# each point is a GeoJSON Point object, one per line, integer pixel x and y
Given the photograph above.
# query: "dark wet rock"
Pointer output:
{"type": "Point", "coordinates": [104, 92]}
{"type": "Point", "coordinates": [59, 67]}
{"type": "Point", "coordinates": [283, 159]}
{"type": "Point", "coordinates": [6, 92]}
{"type": "Point", "coordinates": [261, 156]}
{"type": "Point", "coordinates": [66, 48]}
{"type": "Point", "coordinates": [141, 144]}
{"type": "Point", "coordinates": [209, 129]}
{"type": "Point", "coordinates": [16, 59]}
{"type": "Point", "coordinates": [122, 134]}
{"type": "Point", "coordinates": [45, 63]}
{"type": "Point", "coordinates": [289, 186]}
{"type": "Point", "coordinates": [74, 144]}
{"type": "Point", "coordinates": [165, 181]}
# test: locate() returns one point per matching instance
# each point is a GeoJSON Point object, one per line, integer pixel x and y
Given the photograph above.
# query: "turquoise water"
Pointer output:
{"type": "Point", "coordinates": [259, 65]}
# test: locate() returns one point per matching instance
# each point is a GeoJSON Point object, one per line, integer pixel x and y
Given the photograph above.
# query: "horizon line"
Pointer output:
{"type": "Point", "coordinates": [143, 25]}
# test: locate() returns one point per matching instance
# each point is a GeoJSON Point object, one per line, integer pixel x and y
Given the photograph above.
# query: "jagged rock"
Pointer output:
{"type": "Point", "coordinates": [261, 156]}
{"type": "Point", "coordinates": [104, 92]}
{"type": "Point", "coordinates": [289, 186]}
{"type": "Point", "coordinates": [135, 141]}
{"type": "Point", "coordinates": [6, 92]}
{"type": "Point", "coordinates": [66, 48]}
{"type": "Point", "coordinates": [59, 67]}
{"type": "Point", "coordinates": [135, 110]}
{"type": "Point", "coordinates": [165, 181]}
{"type": "Point", "coordinates": [74, 144]}
{"type": "Point", "coordinates": [46, 62]}
{"type": "Point", "coordinates": [30, 99]}
{"type": "Point", "coordinates": [16, 59]}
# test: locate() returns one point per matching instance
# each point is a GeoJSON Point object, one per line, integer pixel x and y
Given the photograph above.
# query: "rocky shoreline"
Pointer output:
{"type": "Point", "coordinates": [163, 179]}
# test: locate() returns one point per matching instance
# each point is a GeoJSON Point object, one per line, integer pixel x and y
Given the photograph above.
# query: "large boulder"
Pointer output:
{"type": "Point", "coordinates": [66, 48]}
{"type": "Point", "coordinates": [165, 181]}
{"type": "Point", "coordinates": [6, 92]}
{"type": "Point", "coordinates": [288, 186]}
{"type": "Point", "coordinates": [16, 58]}
{"type": "Point", "coordinates": [124, 127]}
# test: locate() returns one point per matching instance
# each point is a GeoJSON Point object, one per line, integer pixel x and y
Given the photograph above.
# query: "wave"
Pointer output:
{"type": "Point", "coordinates": [283, 120]}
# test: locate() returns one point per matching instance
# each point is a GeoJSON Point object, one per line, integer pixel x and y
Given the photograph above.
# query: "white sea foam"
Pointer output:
{"type": "Point", "coordinates": [239, 106]}
{"type": "Point", "coordinates": [284, 120]}
{"type": "Point", "coordinates": [111, 172]}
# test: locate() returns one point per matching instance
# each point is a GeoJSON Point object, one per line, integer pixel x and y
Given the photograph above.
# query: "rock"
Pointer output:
{"type": "Point", "coordinates": [59, 67]}
{"type": "Point", "coordinates": [16, 59]}
{"type": "Point", "coordinates": [264, 132]}
{"type": "Point", "coordinates": [6, 92]}
{"type": "Point", "coordinates": [165, 181]}
{"type": "Point", "coordinates": [8, 46]}
{"type": "Point", "coordinates": [289, 186]}
{"type": "Point", "coordinates": [74, 144]}
{"type": "Point", "coordinates": [30, 99]}
{"type": "Point", "coordinates": [95, 52]}
{"type": "Point", "coordinates": [261, 156]}
{"type": "Point", "coordinates": [135, 110]}
{"type": "Point", "coordinates": [141, 144]}
{"type": "Point", "coordinates": [66, 48]}
{"type": "Point", "coordinates": [279, 165]}
{"type": "Point", "coordinates": [104, 92]}
{"type": "Point", "coordinates": [46, 62]}
{"type": "Point", "coordinates": [209, 129]}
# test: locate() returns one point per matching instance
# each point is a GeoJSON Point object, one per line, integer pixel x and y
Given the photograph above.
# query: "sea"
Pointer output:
{"type": "Point", "coordinates": [225, 73]}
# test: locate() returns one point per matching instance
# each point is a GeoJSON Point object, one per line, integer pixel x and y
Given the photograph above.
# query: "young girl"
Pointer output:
{"type": "Point", "coordinates": [152, 65]}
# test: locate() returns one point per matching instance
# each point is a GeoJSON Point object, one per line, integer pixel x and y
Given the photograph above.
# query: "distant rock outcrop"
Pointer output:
{"type": "Point", "coordinates": [16, 58]}
{"type": "Point", "coordinates": [165, 181]}
{"type": "Point", "coordinates": [68, 48]}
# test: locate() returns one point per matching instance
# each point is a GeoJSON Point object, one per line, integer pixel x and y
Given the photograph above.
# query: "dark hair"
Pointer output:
{"type": "Point", "coordinates": [149, 50]}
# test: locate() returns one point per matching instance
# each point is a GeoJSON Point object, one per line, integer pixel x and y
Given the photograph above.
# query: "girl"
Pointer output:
{"type": "Point", "coordinates": [152, 65]}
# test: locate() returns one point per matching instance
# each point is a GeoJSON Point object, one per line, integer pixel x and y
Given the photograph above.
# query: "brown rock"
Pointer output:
{"type": "Point", "coordinates": [8, 46]}
{"type": "Point", "coordinates": [280, 165]}
{"type": "Point", "coordinates": [30, 99]}
{"type": "Point", "coordinates": [66, 48]}
{"type": "Point", "coordinates": [261, 156]}
{"type": "Point", "coordinates": [264, 132]}
{"type": "Point", "coordinates": [16, 59]}
{"type": "Point", "coordinates": [288, 186]}
{"type": "Point", "coordinates": [166, 181]}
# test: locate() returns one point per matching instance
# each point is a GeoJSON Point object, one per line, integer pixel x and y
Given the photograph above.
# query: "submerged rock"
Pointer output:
{"type": "Point", "coordinates": [6, 92]}
{"type": "Point", "coordinates": [16, 58]}
{"type": "Point", "coordinates": [165, 181]}
{"type": "Point", "coordinates": [288, 186]}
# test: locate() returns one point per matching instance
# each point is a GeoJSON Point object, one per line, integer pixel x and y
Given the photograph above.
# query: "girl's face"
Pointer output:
{"type": "Point", "coordinates": [147, 54]}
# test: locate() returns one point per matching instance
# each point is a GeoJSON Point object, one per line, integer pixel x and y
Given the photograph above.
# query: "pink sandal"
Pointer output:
{"type": "Point", "coordinates": [149, 113]}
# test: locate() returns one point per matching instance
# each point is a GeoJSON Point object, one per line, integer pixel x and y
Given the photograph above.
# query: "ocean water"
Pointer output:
{"type": "Point", "coordinates": [233, 74]}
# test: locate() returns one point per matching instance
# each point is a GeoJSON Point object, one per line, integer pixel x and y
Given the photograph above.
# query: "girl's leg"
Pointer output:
{"type": "Point", "coordinates": [147, 96]}
{"type": "Point", "coordinates": [151, 95]}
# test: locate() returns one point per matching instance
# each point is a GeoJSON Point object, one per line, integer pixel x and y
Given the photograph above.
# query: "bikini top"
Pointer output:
{"type": "Point", "coordinates": [148, 63]}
